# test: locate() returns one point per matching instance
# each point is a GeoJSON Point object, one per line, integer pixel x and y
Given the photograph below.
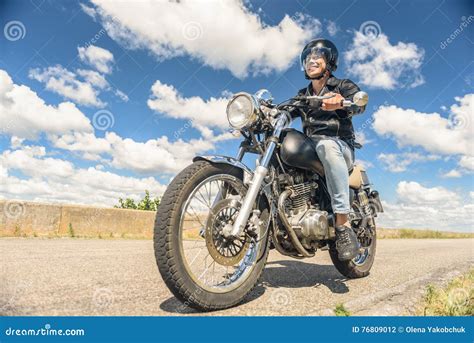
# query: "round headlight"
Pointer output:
{"type": "Point", "coordinates": [242, 111]}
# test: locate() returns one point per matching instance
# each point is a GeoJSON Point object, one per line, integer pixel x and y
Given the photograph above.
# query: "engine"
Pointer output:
{"type": "Point", "coordinates": [300, 196]}
{"type": "Point", "coordinates": [308, 222]}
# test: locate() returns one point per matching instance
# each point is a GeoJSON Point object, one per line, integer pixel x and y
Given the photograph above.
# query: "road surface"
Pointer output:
{"type": "Point", "coordinates": [120, 277]}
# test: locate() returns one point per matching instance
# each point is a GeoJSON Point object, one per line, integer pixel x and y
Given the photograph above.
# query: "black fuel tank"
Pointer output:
{"type": "Point", "coordinates": [298, 150]}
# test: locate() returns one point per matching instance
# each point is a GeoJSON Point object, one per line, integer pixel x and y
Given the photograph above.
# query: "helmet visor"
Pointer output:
{"type": "Point", "coordinates": [312, 54]}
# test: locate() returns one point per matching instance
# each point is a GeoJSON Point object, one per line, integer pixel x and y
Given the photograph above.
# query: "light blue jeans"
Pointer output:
{"type": "Point", "coordinates": [337, 158]}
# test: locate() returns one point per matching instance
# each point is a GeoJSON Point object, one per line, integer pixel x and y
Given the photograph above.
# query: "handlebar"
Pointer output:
{"type": "Point", "coordinates": [314, 97]}
{"type": "Point", "coordinates": [360, 99]}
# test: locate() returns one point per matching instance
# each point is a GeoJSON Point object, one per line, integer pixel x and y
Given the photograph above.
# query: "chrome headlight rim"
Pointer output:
{"type": "Point", "coordinates": [251, 118]}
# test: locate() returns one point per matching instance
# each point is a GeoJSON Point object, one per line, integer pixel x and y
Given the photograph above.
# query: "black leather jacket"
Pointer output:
{"type": "Point", "coordinates": [330, 123]}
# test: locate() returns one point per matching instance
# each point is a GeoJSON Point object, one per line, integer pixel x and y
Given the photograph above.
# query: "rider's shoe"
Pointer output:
{"type": "Point", "coordinates": [347, 245]}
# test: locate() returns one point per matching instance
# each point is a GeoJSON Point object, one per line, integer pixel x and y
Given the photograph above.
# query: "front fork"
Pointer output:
{"type": "Point", "coordinates": [259, 175]}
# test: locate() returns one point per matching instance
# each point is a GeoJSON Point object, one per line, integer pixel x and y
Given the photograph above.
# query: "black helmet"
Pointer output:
{"type": "Point", "coordinates": [323, 47]}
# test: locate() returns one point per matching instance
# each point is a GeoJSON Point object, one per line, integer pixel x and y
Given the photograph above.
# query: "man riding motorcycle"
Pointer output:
{"type": "Point", "coordinates": [329, 124]}
{"type": "Point", "coordinates": [218, 218]}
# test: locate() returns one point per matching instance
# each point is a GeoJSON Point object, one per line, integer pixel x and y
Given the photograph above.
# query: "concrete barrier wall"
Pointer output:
{"type": "Point", "coordinates": [22, 218]}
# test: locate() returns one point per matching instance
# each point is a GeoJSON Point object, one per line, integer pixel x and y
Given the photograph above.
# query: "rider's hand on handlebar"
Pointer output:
{"type": "Point", "coordinates": [333, 103]}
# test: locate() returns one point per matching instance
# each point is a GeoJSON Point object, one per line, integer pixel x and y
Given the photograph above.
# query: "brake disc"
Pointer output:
{"type": "Point", "coordinates": [226, 252]}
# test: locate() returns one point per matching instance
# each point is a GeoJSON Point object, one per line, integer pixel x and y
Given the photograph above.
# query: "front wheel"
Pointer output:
{"type": "Point", "coordinates": [199, 265]}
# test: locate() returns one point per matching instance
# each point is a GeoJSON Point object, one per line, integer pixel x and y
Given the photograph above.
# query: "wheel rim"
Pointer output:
{"type": "Point", "coordinates": [197, 236]}
{"type": "Point", "coordinates": [361, 257]}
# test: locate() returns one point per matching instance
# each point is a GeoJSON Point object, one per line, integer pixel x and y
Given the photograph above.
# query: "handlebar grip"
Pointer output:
{"type": "Point", "coordinates": [346, 103]}
{"type": "Point", "coordinates": [320, 97]}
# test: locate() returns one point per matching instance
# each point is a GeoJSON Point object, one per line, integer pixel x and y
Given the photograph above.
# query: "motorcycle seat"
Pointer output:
{"type": "Point", "coordinates": [356, 177]}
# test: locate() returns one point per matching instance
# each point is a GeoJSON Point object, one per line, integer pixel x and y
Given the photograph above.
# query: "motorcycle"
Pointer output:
{"type": "Point", "coordinates": [218, 218]}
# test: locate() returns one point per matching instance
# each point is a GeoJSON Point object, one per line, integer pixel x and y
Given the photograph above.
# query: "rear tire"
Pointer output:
{"type": "Point", "coordinates": [169, 258]}
{"type": "Point", "coordinates": [350, 269]}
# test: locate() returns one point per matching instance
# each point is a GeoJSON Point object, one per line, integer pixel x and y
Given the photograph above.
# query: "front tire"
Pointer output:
{"type": "Point", "coordinates": [168, 242]}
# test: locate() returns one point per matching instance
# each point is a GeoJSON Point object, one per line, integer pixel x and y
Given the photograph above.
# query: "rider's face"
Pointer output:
{"type": "Point", "coordinates": [315, 65]}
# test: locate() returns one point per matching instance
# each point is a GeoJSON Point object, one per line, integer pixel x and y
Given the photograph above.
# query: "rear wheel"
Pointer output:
{"type": "Point", "coordinates": [202, 268]}
{"type": "Point", "coordinates": [360, 265]}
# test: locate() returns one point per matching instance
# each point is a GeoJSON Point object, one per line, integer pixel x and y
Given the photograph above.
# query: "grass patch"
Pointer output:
{"type": "Point", "coordinates": [413, 233]}
{"type": "Point", "coordinates": [191, 232]}
{"type": "Point", "coordinates": [341, 311]}
{"type": "Point", "coordinates": [71, 231]}
{"type": "Point", "coordinates": [456, 299]}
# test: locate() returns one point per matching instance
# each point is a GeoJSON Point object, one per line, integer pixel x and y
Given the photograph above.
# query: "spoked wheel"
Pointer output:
{"type": "Point", "coordinates": [202, 268]}
{"type": "Point", "coordinates": [360, 265]}
{"type": "Point", "coordinates": [226, 252]}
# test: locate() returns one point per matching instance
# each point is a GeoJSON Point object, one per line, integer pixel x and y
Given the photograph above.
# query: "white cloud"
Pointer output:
{"type": "Point", "coordinates": [379, 64]}
{"type": "Point", "coordinates": [32, 161]}
{"type": "Point", "coordinates": [465, 166]}
{"type": "Point", "coordinates": [201, 113]}
{"type": "Point", "coordinates": [422, 207]}
{"type": "Point", "coordinates": [157, 156]}
{"type": "Point", "coordinates": [397, 163]}
{"type": "Point", "coordinates": [97, 57]}
{"type": "Point", "coordinates": [82, 86]}
{"type": "Point", "coordinates": [25, 115]}
{"type": "Point", "coordinates": [416, 194]}
{"type": "Point", "coordinates": [431, 131]}
{"type": "Point", "coordinates": [453, 173]}
{"type": "Point", "coordinates": [222, 34]}
{"type": "Point", "coordinates": [55, 180]}
{"type": "Point", "coordinates": [90, 146]}
{"type": "Point", "coordinates": [65, 83]}
{"type": "Point", "coordinates": [436, 134]}
{"type": "Point", "coordinates": [121, 95]}
{"type": "Point", "coordinates": [332, 28]}
{"type": "Point", "coordinates": [361, 137]}
{"type": "Point", "coordinates": [467, 162]}
{"type": "Point", "coordinates": [16, 142]}
{"type": "Point", "coordinates": [364, 163]}
{"type": "Point", "coordinates": [427, 217]}
{"type": "Point", "coordinates": [93, 78]}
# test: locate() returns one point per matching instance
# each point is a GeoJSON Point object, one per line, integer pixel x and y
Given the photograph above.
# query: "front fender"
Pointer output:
{"type": "Point", "coordinates": [219, 159]}
{"type": "Point", "coordinates": [248, 173]}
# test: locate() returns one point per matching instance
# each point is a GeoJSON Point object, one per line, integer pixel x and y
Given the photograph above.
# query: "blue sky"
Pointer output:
{"type": "Point", "coordinates": [414, 58]}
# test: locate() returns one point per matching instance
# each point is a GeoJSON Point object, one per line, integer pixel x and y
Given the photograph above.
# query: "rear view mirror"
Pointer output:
{"type": "Point", "coordinates": [361, 98]}
{"type": "Point", "coordinates": [264, 94]}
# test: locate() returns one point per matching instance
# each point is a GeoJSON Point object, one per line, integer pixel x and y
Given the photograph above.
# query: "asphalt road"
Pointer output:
{"type": "Point", "coordinates": [120, 277]}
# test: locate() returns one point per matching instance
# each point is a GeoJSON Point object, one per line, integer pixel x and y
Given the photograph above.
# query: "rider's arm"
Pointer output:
{"type": "Point", "coordinates": [347, 89]}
